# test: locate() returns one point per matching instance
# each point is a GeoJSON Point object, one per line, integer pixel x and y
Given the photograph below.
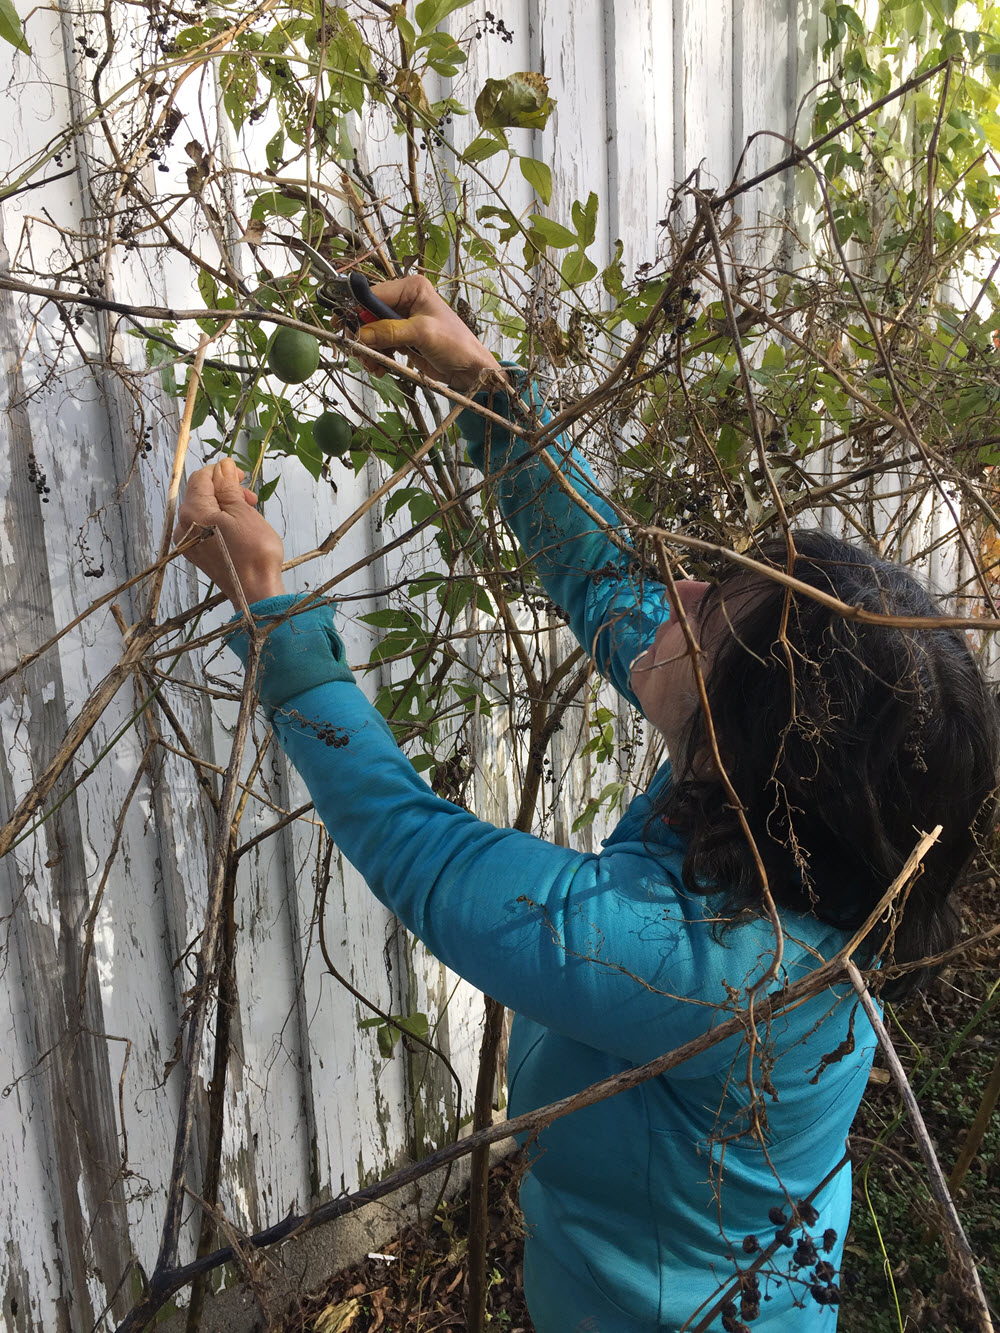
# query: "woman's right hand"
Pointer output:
{"type": "Point", "coordinates": [433, 337]}
{"type": "Point", "coordinates": [253, 554]}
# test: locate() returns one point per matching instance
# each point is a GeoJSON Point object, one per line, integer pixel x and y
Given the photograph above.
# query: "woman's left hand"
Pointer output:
{"type": "Point", "coordinates": [214, 498]}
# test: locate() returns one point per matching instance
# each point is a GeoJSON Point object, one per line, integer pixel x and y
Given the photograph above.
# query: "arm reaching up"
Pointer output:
{"type": "Point", "coordinates": [613, 608]}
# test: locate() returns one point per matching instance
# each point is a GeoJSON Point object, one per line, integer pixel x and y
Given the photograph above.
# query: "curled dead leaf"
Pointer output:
{"type": "Point", "coordinates": [337, 1318]}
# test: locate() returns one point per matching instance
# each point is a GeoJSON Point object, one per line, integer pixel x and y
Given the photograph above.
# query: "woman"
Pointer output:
{"type": "Point", "coordinates": [842, 740]}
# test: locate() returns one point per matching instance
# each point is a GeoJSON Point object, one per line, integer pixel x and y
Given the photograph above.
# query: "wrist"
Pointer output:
{"type": "Point", "coordinates": [259, 589]}
{"type": "Point", "coordinates": [483, 368]}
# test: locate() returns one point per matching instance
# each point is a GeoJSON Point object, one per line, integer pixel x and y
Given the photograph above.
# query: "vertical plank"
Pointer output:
{"type": "Point", "coordinates": [763, 99]}
{"type": "Point", "coordinates": [48, 906]}
{"type": "Point", "coordinates": [571, 46]}
{"type": "Point", "coordinates": [703, 83]}
{"type": "Point", "coordinates": [640, 132]}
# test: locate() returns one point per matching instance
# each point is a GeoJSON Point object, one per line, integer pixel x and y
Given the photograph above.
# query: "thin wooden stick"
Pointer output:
{"type": "Point", "coordinates": [953, 1233]}
{"type": "Point", "coordinates": [180, 455]}
{"type": "Point", "coordinates": [208, 966]}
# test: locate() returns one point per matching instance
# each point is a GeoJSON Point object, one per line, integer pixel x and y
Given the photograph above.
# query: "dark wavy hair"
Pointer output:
{"type": "Point", "coordinates": [843, 741]}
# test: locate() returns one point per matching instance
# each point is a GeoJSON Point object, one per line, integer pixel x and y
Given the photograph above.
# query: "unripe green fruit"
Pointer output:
{"type": "Point", "coordinates": [294, 356]}
{"type": "Point", "coordinates": [333, 433]}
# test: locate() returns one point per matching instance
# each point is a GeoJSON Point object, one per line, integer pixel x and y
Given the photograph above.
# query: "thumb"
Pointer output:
{"type": "Point", "coordinates": [387, 335]}
{"type": "Point", "coordinates": [229, 494]}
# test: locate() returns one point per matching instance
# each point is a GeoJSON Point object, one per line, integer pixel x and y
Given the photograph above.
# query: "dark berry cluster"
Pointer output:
{"type": "Point", "coordinates": [821, 1285]}
{"type": "Point", "coordinates": [37, 478]}
{"type": "Point", "coordinates": [84, 43]}
{"type": "Point", "coordinates": [494, 27]}
{"type": "Point", "coordinates": [436, 135]}
{"type": "Point", "coordinates": [630, 747]}
{"type": "Point", "coordinates": [335, 736]}
{"type": "Point", "coordinates": [735, 1320]}
{"type": "Point", "coordinates": [146, 442]}
{"type": "Point", "coordinates": [680, 311]}
{"type": "Point", "coordinates": [825, 1293]}
{"type": "Point", "coordinates": [326, 732]}
{"type": "Point", "coordinates": [805, 1252]}
{"type": "Point", "coordinates": [157, 143]}
{"type": "Point", "coordinates": [694, 504]}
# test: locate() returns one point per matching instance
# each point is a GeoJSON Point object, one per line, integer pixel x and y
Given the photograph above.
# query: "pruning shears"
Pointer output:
{"type": "Point", "coordinates": [348, 295]}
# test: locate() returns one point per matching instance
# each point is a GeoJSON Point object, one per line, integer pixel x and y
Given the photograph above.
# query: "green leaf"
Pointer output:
{"type": "Point", "coordinates": [952, 43]}
{"type": "Point", "coordinates": [483, 147]}
{"type": "Point", "coordinates": [585, 220]}
{"type": "Point", "coordinates": [401, 496]}
{"type": "Point", "coordinates": [444, 55]}
{"type": "Point", "coordinates": [10, 27]}
{"type": "Point", "coordinates": [388, 390]}
{"type": "Point", "coordinates": [855, 65]}
{"type": "Point", "coordinates": [851, 19]}
{"type": "Point", "coordinates": [613, 277]}
{"type": "Point", "coordinates": [538, 176]}
{"type": "Point", "coordinates": [388, 1034]}
{"type": "Point", "coordinates": [730, 443]}
{"type": "Point", "coordinates": [611, 796]}
{"type": "Point", "coordinates": [238, 77]}
{"type": "Point", "coordinates": [520, 100]}
{"type": "Point", "coordinates": [429, 13]}
{"type": "Point", "coordinates": [274, 150]}
{"type": "Point", "coordinates": [415, 1024]}
{"type": "Point", "coordinates": [208, 288]}
{"type": "Point", "coordinates": [577, 268]}
{"type": "Point", "coordinates": [405, 28]}
{"type": "Point", "coordinates": [506, 224]}
{"type": "Point", "coordinates": [774, 357]}
{"type": "Point", "coordinates": [552, 233]}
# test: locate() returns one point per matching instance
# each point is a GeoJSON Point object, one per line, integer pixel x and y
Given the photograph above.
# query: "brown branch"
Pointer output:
{"type": "Point", "coordinates": [954, 1236]}
{"type": "Point", "coordinates": [797, 156]}
{"type": "Point", "coordinates": [208, 968]}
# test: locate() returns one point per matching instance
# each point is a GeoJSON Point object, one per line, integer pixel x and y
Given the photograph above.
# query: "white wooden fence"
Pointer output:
{"type": "Point", "coordinates": [648, 91]}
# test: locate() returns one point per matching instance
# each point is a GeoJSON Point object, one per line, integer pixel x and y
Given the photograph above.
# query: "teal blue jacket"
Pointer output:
{"type": "Point", "coordinates": [637, 1208]}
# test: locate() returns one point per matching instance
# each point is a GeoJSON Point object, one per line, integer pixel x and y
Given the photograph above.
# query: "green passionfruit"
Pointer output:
{"type": "Point", "coordinates": [333, 433]}
{"type": "Point", "coordinates": [294, 356]}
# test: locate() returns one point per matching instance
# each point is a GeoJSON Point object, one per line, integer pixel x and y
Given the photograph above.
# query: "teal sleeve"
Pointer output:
{"type": "Point", "coordinates": [302, 650]}
{"type": "Point", "coordinates": [614, 608]}
{"type": "Point", "coordinates": [605, 949]}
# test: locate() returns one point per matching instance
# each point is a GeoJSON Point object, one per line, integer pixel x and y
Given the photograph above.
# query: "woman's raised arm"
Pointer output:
{"type": "Point", "coordinates": [613, 608]}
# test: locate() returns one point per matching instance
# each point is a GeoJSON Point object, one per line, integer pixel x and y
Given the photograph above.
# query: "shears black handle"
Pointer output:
{"type": "Point", "coordinates": [370, 308]}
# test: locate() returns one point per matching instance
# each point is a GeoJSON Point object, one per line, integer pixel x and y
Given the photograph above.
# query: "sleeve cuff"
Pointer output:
{"type": "Point", "coordinates": [301, 651]}
{"type": "Point", "coordinates": [521, 406]}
